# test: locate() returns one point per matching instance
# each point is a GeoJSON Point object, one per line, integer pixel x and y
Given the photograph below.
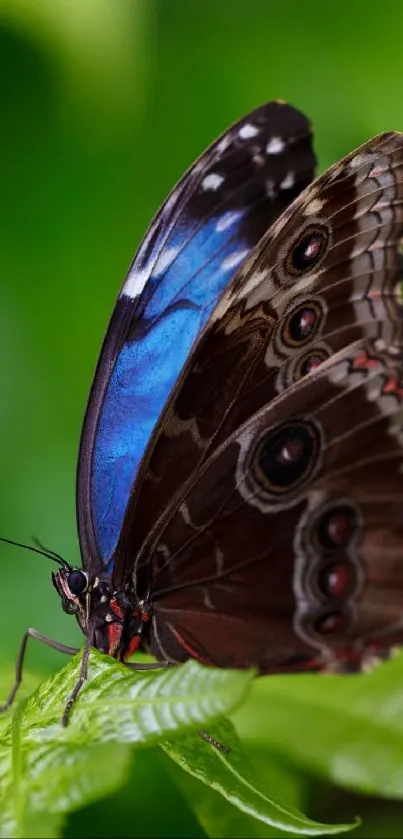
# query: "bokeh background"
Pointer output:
{"type": "Point", "coordinates": [104, 103]}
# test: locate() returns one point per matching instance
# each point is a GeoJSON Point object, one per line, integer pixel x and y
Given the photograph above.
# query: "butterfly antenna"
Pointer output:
{"type": "Point", "coordinates": [39, 550]}
{"type": "Point", "coordinates": [48, 551]}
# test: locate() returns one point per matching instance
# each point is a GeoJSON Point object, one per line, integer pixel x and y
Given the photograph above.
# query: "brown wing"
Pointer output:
{"type": "Point", "coordinates": [327, 273]}
{"type": "Point", "coordinates": [287, 547]}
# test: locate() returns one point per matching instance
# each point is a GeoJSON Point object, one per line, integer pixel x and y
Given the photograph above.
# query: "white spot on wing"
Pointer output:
{"type": "Point", "coordinates": [362, 159]}
{"type": "Point", "coordinates": [135, 283]}
{"type": "Point", "coordinates": [233, 260]}
{"type": "Point", "coordinates": [248, 130]}
{"type": "Point", "coordinates": [228, 219]}
{"type": "Point", "coordinates": [251, 282]}
{"type": "Point", "coordinates": [288, 181]}
{"type": "Point", "coordinates": [314, 207]}
{"type": "Point", "coordinates": [212, 181]}
{"type": "Point", "coordinates": [165, 260]}
{"type": "Point", "coordinates": [275, 145]}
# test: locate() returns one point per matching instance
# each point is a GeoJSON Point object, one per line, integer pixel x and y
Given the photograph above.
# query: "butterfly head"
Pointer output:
{"type": "Point", "coordinates": [113, 622]}
{"type": "Point", "coordinates": [74, 588]}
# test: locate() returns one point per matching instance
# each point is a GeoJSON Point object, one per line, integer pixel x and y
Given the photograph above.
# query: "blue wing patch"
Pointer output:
{"type": "Point", "coordinates": [205, 230]}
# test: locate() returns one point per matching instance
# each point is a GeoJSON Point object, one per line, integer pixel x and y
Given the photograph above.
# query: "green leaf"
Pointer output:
{"type": "Point", "coordinates": [230, 775]}
{"type": "Point", "coordinates": [120, 705]}
{"type": "Point", "coordinates": [346, 728]}
{"type": "Point", "coordinates": [47, 770]}
{"type": "Point", "coordinates": [39, 785]}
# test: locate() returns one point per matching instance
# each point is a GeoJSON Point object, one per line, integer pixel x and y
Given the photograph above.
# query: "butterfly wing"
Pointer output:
{"type": "Point", "coordinates": [207, 227]}
{"type": "Point", "coordinates": [286, 549]}
{"type": "Point", "coordinates": [327, 273]}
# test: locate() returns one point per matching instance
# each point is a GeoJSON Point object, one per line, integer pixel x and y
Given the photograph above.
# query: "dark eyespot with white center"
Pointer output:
{"type": "Point", "coordinates": [77, 582]}
{"type": "Point", "coordinates": [287, 456]}
{"type": "Point", "coordinates": [309, 362]}
{"type": "Point", "coordinates": [308, 250]}
{"type": "Point", "coordinates": [336, 528]}
{"type": "Point", "coordinates": [302, 323]}
{"type": "Point", "coordinates": [336, 579]}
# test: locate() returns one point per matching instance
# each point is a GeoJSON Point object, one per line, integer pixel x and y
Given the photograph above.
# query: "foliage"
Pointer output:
{"type": "Point", "coordinates": [47, 770]}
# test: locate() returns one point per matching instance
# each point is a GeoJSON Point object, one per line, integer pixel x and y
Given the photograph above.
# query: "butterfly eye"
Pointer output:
{"type": "Point", "coordinates": [287, 456]}
{"type": "Point", "coordinates": [336, 527]}
{"type": "Point", "coordinates": [308, 250]}
{"type": "Point", "coordinates": [302, 324]}
{"type": "Point", "coordinates": [77, 582]}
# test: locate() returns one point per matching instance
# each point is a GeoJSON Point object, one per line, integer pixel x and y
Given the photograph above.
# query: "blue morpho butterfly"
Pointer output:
{"type": "Point", "coordinates": [240, 477]}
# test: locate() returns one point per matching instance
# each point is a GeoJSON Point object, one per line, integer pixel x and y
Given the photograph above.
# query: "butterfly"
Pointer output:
{"type": "Point", "coordinates": [240, 475]}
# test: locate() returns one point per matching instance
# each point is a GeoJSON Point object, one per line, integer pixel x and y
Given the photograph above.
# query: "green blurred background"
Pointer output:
{"type": "Point", "coordinates": [104, 103]}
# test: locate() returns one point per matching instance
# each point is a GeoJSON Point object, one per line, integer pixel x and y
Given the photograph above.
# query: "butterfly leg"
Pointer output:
{"type": "Point", "coordinates": [83, 675]}
{"type": "Point", "coordinates": [79, 683]}
{"type": "Point", "coordinates": [32, 633]}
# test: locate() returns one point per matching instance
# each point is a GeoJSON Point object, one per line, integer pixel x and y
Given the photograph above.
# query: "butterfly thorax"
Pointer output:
{"type": "Point", "coordinates": [115, 619]}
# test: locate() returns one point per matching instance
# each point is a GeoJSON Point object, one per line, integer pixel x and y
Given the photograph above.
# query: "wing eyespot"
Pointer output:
{"type": "Point", "coordinates": [308, 250]}
{"type": "Point", "coordinates": [286, 457]}
{"type": "Point", "coordinates": [300, 364]}
{"type": "Point", "coordinates": [336, 528]}
{"type": "Point", "coordinates": [335, 580]}
{"type": "Point", "coordinates": [302, 323]}
{"type": "Point", "coordinates": [309, 362]}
